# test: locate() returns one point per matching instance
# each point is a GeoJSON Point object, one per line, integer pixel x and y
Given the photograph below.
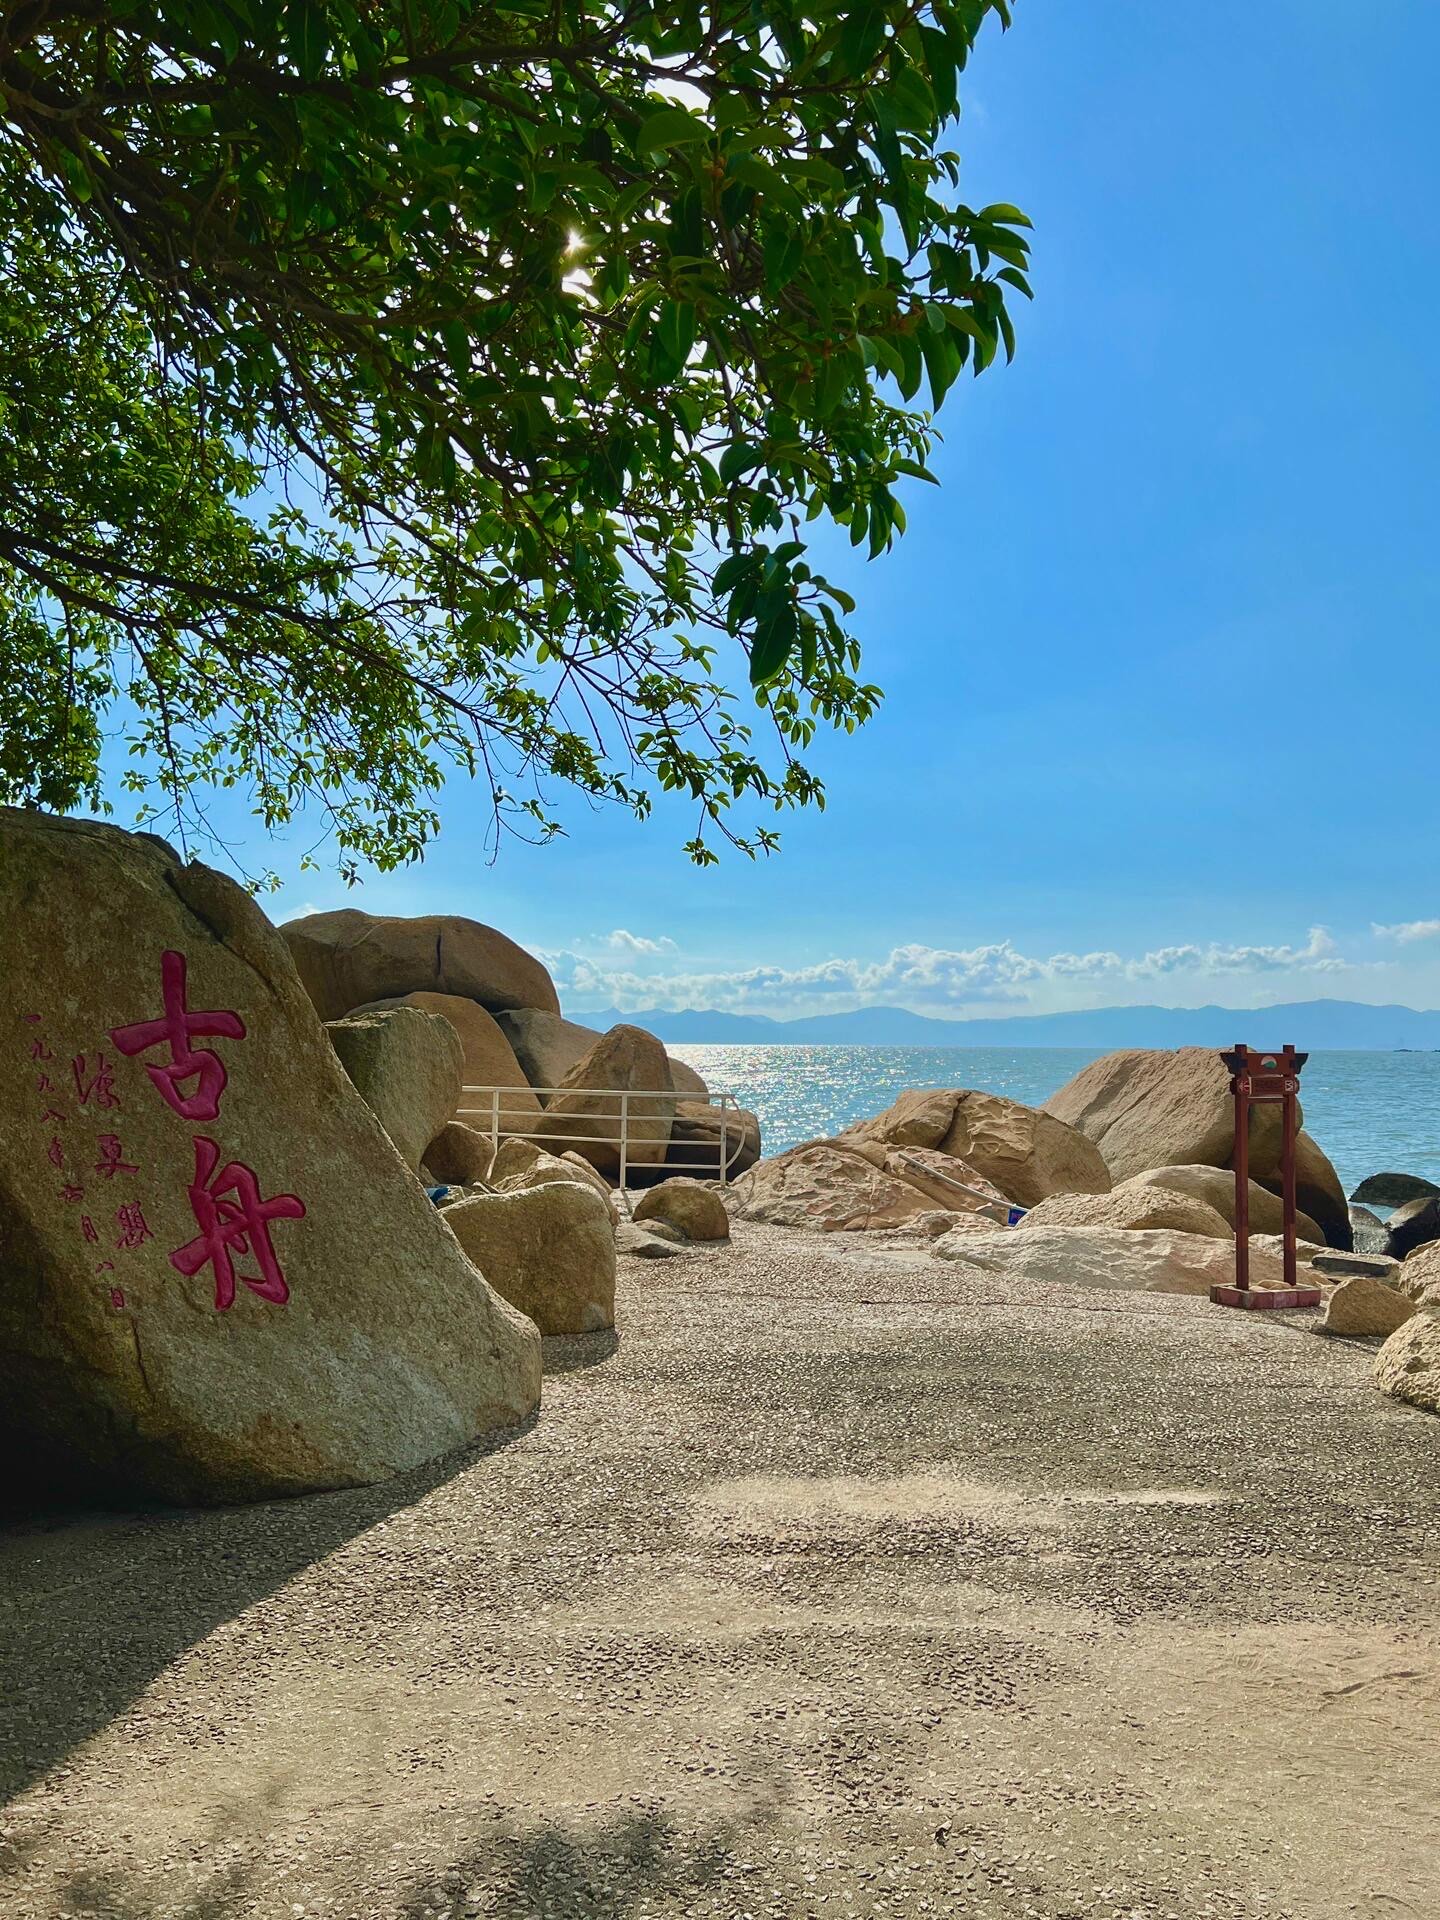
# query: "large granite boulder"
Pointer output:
{"type": "Point", "coordinates": [585, 1115]}
{"type": "Point", "coordinates": [829, 1186]}
{"type": "Point", "coordinates": [1137, 1208]}
{"type": "Point", "coordinates": [692, 1206]}
{"type": "Point", "coordinates": [1318, 1192]}
{"type": "Point", "coordinates": [488, 1061]}
{"type": "Point", "coordinates": [1216, 1187]}
{"type": "Point", "coordinates": [1408, 1365]}
{"type": "Point", "coordinates": [520, 1165]}
{"type": "Point", "coordinates": [548, 1046]}
{"type": "Point", "coordinates": [1116, 1259]}
{"type": "Point", "coordinates": [1023, 1151]}
{"type": "Point", "coordinates": [218, 1279]}
{"type": "Point", "coordinates": [1154, 1107]}
{"type": "Point", "coordinates": [1411, 1226]}
{"type": "Point", "coordinates": [1393, 1189]}
{"type": "Point", "coordinates": [549, 1249]}
{"type": "Point", "coordinates": [406, 1065]}
{"type": "Point", "coordinates": [348, 959]}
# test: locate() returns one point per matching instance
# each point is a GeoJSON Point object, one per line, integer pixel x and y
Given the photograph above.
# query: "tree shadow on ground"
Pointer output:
{"type": "Point", "coordinates": [94, 1604]}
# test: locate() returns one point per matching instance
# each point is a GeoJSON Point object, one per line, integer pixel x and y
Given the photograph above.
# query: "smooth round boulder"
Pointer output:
{"type": "Point", "coordinates": [348, 959]}
{"type": "Point", "coordinates": [1216, 1187]}
{"type": "Point", "coordinates": [406, 1066]}
{"type": "Point", "coordinates": [1160, 1107]}
{"type": "Point", "coordinates": [1023, 1151]}
{"type": "Point", "coordinates": [1393, 1190]}
{"type": "Point", "coordinates": [549, 1250]}
{"type": "Point", "coordinates": [548, 1046]}
{"type": "Point", "coordinates": [1362, 1306]}
{"type": "Point", "coordinates": [459, 1156]}
{"type": "Point", "coordinates": [690, 1205]}
{"type": "Point", "coordinates": [1135, 1208]}
{"type": "Point", "coordinates": [520, 1164]}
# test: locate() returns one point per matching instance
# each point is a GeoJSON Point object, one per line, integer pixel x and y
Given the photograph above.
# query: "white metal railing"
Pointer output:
{"type": "Point", "coordinates": [492, 1110]}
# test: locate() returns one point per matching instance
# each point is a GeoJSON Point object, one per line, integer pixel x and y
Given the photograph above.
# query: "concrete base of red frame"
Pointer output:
{"type": "Point", "coordinates": [1258, 1299]}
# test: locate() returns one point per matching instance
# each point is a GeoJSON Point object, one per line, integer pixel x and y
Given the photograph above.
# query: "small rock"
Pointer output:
{"type": "Point", "coordinates": [1364, 1305]}
{"type": "Point", "coordinates": [689, 1205]}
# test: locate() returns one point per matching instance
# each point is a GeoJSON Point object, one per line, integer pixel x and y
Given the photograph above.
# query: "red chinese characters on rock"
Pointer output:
{"type": "Point", "coordinates": [95, 1083]}
{"type": "Point", "coordinates": [174, 1029]}
{"type": "Point", "coordinates": [233, 1219]}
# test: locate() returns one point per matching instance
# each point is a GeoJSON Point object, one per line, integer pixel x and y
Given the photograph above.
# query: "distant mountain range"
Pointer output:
{"type": "Point", "coordinates": [1309, 1024]}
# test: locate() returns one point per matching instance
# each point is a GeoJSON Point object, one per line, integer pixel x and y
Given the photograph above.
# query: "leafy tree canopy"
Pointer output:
{"type": "Point", "coordinates": [387, 385]}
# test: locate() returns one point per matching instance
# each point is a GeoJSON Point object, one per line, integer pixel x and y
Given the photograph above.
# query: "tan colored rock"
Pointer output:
{"type": "Point", "coordinates": [1363, 1306]}
{"type": "Point", "coordinates": [1133, 1207]}
{"type": "Point", "coordinates": [585, 1115]}
{"type": "Point", "coordinates": [1023, 1151]}
{"type": "Point", "coordinates": [947, 1182]}
{"type": "Point", "coordinates": [218, 1279]}
{"type": "Point", "coordinates": [348, 959]}
{"type": "Point", "coordinates": [1418, 1276]}
{"type": "Point", "coordinates": [519, 1165]}
{"type": "Point", "coordinates": [1157, 1107]}
{"type": "Point", "coordinates": [1408, 1365]}
{"type": "Point", "coordinates": [488, 1062]}
{"type": "Point", "coordinates": [548, 1046]}
{"type": "Point", "coordinates": [829, 1186]}
{"type": "Point", "coordinates": [1318, 1192]}
{"type": "Point", "coordinates": [549, 1250]}
{"type": "Point", "coordinates": [406, 1066]}
{"type": "Point", "coordinates": [696, 1139]}
{"type": "Point", "coordinates": [1216, 1187]}
{"type": "Point", "coordinates": [692, 1206]}
{"type": "Point", "coordinates": [1114, 1258]}
{"type": "Point", "coordinates": [459, 1156]}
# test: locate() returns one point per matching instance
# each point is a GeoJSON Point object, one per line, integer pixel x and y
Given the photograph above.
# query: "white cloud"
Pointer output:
{"type": "Point", "coordinates": [1407, 931]}
{"type": "Point", "coordinates": [622, 942]}
{"type": "Point", "coordinates": [921, 977]}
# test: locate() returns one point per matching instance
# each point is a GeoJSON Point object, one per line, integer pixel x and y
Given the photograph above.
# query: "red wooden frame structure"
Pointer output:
{"type": "Point", "coordinates": [1268, 1078]}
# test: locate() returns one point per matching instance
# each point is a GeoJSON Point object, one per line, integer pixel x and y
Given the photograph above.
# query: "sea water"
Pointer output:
{"type": "Point", "coordinates": [1371, 1112]}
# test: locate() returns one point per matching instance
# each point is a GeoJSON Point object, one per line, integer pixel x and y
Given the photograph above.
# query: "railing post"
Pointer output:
{"type": "Point", "coordinates": [494, 1119]}
{"type": "Point", "coordinates": [624, 1138]}
{"type": "Point", "coordinates": [724, 1147]}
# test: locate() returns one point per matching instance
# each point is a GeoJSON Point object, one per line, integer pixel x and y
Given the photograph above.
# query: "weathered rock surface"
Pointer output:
{"type": "Point", "coordinates": [643, 1244]}
{"type": "Point", "coordinates": [1363, 1305]}
{"type": "Point", "coordinates": [696, 1209]}
{"type": "Point", "coordinates": [406, 1066]}
{"type": "Point", "coordinates": [585, 1115]}
{"type": "Point", "coordinates": [1411, 1226]}
{"type": "Point", "coordinates": [829, 1186]}
{"type": "Point", "coordinates": [1024, 1152]}
{"type": "Point", "coordinates": [1418, 1278]}
{"type": "Point", "coordinates": [459, 1155]}
{"type": "Point", "coordinates": [348, 958]}
{"type": "Point", "coordinates": [1393, 1189]}
{"type": "Point", "coordinates": [547, 1046]}
{"type": "Point", "coordinates": [1154, 1107]}
{"type": "Point", "coordinates": [549, 1250]}
{"type": "Point", "coordinates": [1408, 1365]}
{"type": "Point", "coordinates": [1216, 1187]}
{"type": "Point", "coordinates": [218, 1280]}
{"type": "Point", "coordinates": [947, 1182]}
{"type": "Point", "coordinates": [1318, 1191]}
{"type": "Point", "coordinates": [1115, 1258]}
{"type": "Point", "coordinates": [488, 1061]}
{"type": "Point", "coordinates": [1344, 1266]}
{"type": "Point", "coordinates": [1133, 1206]}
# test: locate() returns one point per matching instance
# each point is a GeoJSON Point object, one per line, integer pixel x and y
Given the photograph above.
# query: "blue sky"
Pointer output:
{"type": "Point", "coordinates": [1158, 654]}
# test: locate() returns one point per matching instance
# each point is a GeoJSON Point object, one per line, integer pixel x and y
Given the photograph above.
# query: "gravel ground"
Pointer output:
{"type": "Point", "coordinates": [840, 1585]}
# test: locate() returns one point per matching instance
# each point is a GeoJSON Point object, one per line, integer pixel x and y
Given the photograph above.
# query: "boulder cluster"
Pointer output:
{"type": "Point", "coordinates": [1123, 1179]}
{"type": "Point", "coordinates": [221, 1275]}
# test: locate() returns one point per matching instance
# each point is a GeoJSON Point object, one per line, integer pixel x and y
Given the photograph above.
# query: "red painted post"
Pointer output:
{"type": "Point", "coordinates": [1287, 1162]}
{"type": "Point", "coordinates": [1240, 1084]}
